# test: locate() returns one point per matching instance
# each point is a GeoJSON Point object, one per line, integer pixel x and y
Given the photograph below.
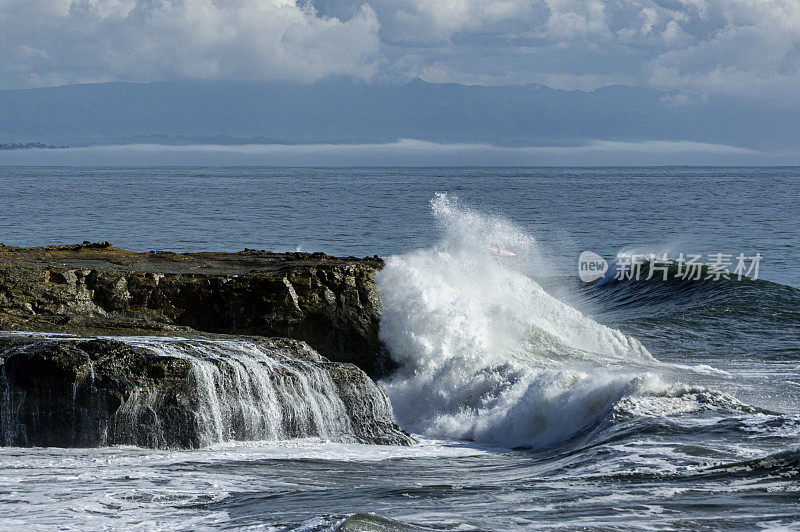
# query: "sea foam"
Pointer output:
{"type": "Point", "coordinates": [485, 353]}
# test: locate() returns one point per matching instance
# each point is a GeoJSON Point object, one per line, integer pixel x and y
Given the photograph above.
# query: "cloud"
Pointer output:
{"type": "Point", "coordinates": [734, 47]}
{"type": "Point", "coordinates": [745, 48]}
{"type": "Point", "coordinates": [48, 42]}
{"type": "Point", "coordinates": [407, 152]}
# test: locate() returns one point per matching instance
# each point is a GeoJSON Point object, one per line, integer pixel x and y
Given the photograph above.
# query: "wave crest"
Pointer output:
{"type": "Point", "coordinates": [485, 353]}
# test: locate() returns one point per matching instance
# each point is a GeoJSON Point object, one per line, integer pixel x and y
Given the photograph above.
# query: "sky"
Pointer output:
{"type": "Point", "coordinates": [744, 48]}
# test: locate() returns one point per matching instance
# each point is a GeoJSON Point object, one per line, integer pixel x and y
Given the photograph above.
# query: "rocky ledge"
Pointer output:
{"type": "Point", "coordinates": [95, 288]}
{"type": "Point", "coordinates": [182, 350]}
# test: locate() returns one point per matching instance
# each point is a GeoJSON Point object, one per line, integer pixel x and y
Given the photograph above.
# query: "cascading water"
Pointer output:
{"type": "Point", "coordinates": [189, 393]}
{"type": "Point", "coordinates": [246, 392]}
{"type": "Point", "coordinates": [485, 353]}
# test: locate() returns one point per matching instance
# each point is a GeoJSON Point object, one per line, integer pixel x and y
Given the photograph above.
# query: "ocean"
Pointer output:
{"type": "Point", "coordinates": [539, 401]}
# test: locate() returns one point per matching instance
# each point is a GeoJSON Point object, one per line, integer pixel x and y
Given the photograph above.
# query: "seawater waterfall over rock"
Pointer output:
{"type": "Point", "coordinates": [182, 393]}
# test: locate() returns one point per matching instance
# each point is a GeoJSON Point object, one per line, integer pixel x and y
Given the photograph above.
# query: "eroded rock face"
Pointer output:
{"type": "Point", "coordinates": [331, 303]}
{"type": "Point", "coordinates": [183, 393]}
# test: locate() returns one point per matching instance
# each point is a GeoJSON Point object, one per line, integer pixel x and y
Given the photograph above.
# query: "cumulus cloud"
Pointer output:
{"type": "Point", "coordinates": [735, 47]}
{"type": "Point", "coordinates": [746, 48]}
{"type": "Point", "coordinates": [48, 42]}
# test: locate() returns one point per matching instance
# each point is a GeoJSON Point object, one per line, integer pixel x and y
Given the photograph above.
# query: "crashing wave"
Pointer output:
{"type": "Point", "coordinates": [486, 354]}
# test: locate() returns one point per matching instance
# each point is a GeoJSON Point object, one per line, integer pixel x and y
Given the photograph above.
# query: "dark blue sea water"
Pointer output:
{"type": "Point", "coordinates": [367, 211]}
{"type": "Point", "coordinates": [540, 401]}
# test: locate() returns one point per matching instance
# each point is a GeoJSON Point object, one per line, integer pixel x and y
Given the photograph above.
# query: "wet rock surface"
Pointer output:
{"type": "Point", "coordinates": [72, 392]}
{"type": "Point", "coordinates": [95, 288]}
{"type": "Point", "coordinates": [170, 350]}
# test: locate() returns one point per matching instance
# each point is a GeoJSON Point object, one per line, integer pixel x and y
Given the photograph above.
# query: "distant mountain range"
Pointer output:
{"type": "Point", "coordinates": [340, 111]}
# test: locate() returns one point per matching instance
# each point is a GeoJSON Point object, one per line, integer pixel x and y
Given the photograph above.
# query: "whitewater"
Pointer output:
{"type": "Point", "coordinates": [487, 355]}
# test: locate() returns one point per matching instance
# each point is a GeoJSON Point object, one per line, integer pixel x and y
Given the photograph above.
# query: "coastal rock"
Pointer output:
{"type": "Point", "coordinates": [95, 288]}
{"type": "Point", "coordinates": [183, 393]}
